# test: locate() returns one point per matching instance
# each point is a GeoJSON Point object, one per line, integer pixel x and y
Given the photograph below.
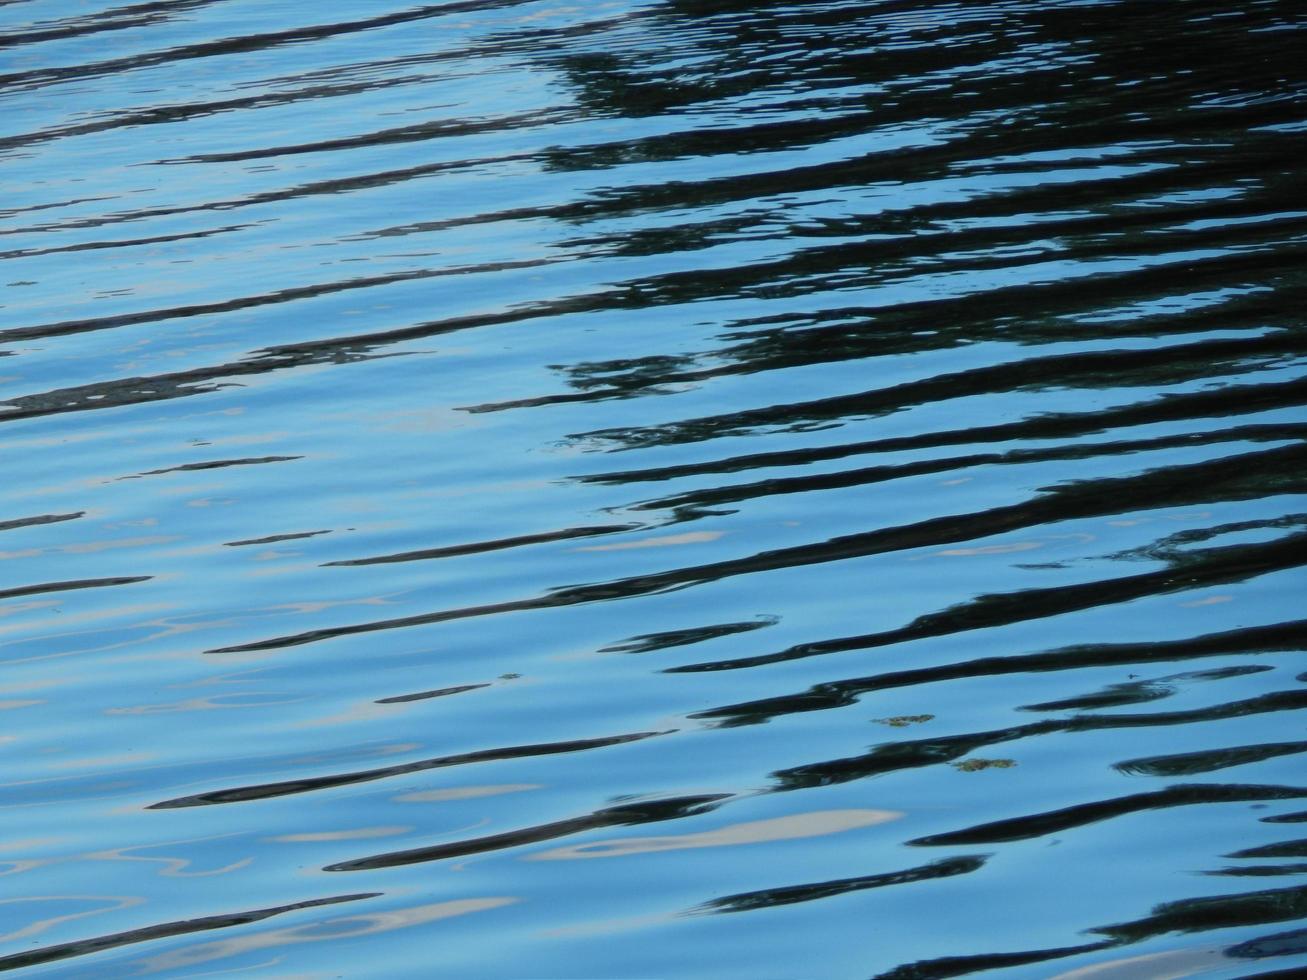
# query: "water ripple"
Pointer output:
{"type": "Point", "coordinates": [447, 438]}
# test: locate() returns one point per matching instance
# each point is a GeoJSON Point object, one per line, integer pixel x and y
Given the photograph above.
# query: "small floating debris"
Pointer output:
{"type": "Point", "coordinates": [903, 721]}
{"type": "Point", "coordinates": [975, 765]}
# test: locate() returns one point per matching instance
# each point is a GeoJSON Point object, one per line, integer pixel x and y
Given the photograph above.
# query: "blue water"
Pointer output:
{"type": "Point", "coordinates": [653, 488]}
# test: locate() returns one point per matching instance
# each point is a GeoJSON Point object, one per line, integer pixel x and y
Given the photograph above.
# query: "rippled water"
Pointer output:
{"type": "Point", "coordinates": [653, 488]}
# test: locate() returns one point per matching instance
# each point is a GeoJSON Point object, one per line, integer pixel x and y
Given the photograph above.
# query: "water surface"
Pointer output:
{"type": "Point", "coordinates": [653, 488]}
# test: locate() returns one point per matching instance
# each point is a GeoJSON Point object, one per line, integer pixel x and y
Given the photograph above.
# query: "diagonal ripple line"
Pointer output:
{"type": "Point", "coordinates": [1212, 566]}
{"type": "Point", "coordinates": [41, 519]}
{"type": "Point", "coordinates": [244, 45]}
{"type": "Point", "coordinates": [618, 816]}
{"type": "Point", "coordinates": [1231, 563]}
{"type": "Point", "coordinates": [793, 894]}
{"type": "Point", "coordinates": [291, 787]}
{"type": "Point", "coordinates": [1054, 821]}
{"type": "Point", "coordinates": [1280, 637]}
{"type": "Point", "coordinates": [209, 923]}
{"type": "Point", "coordinates": [86, 583]}
{"type": "Point", "coordinates": [896, 756]}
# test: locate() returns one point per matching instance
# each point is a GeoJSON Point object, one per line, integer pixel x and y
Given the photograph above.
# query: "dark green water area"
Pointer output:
{"type": "Point", "coordinates": [626, 489]}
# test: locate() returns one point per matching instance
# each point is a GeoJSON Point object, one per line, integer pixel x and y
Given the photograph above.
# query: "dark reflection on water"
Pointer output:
{"type": "Point", "coordinates": [573, 471]}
